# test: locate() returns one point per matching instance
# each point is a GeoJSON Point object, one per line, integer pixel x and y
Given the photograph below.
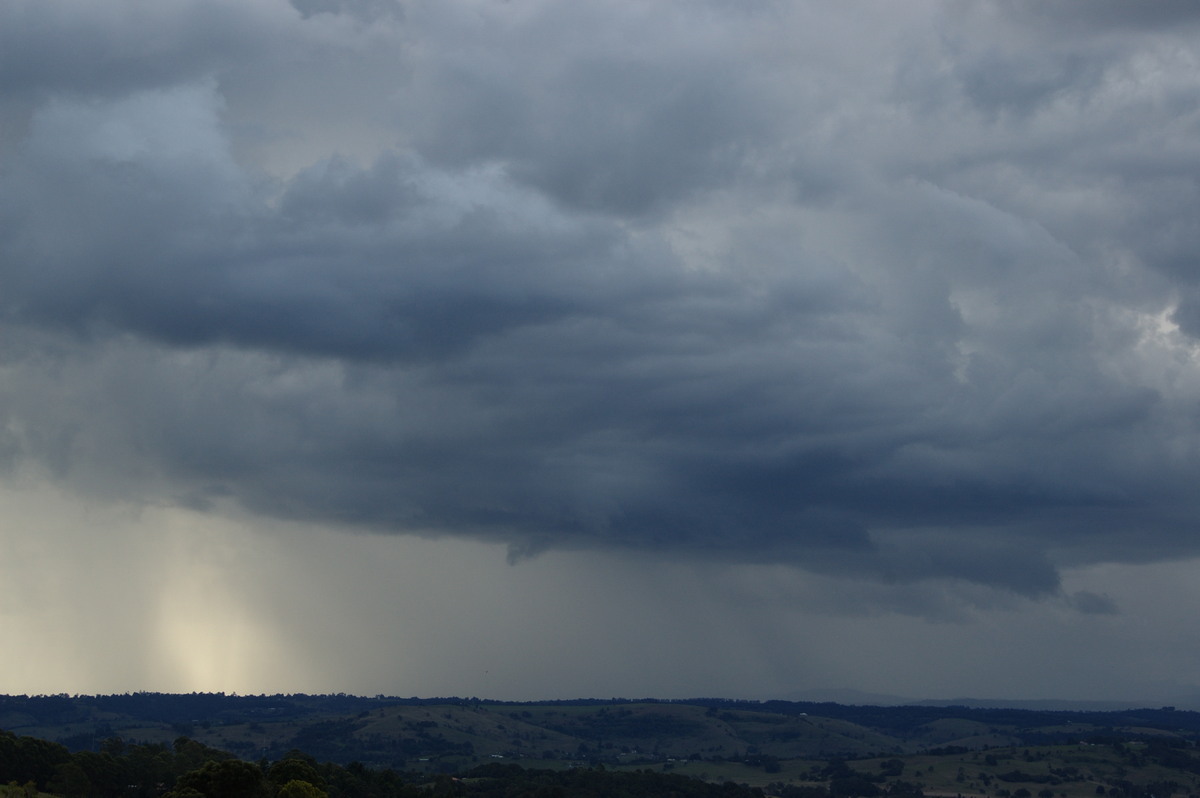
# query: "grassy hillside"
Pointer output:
{"type": "Point", "coordinates": [722, 739]}
{"type": "Point", "coordinates": [789, 755]}
{"type": "Point", "coordinates": [1068, 771]}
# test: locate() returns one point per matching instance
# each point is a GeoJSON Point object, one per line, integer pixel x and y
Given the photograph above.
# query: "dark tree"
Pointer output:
{"type": "Point", "coordinates": [231, 778]}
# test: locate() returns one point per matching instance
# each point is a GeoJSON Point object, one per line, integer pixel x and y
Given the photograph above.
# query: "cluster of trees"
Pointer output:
{"type": "Point", "coordinates": [513, 781]}
{"type": "Point", "coordinates": [843, 781]}
{"type": "Point", "coordinates": [842, 788]}
{"type": "Point", "coordinates": [187, 769]}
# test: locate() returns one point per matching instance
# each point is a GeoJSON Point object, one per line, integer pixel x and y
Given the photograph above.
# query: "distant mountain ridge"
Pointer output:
{"type": "Point", "coordinates": [847, 696]}
{"type": "Point", "coordinates": [1035, 705]}
{"type": "Point", "coordinates": [850, 697]}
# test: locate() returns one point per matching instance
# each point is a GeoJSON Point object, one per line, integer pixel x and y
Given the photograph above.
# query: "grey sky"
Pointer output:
{"type": "Point", "coordinates": [893, 306]}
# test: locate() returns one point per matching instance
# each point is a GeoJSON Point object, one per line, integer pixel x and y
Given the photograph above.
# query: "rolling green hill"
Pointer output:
{"type": "Point", "coordinates": [704, 736]}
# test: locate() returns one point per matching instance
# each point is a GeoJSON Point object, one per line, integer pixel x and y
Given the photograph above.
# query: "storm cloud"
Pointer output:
{"type": "Point", "coordinates": [901, 294]}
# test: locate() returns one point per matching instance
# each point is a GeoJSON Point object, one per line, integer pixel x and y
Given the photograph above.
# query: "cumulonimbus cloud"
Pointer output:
{"type": "Point", "coordinates": [698, 284]}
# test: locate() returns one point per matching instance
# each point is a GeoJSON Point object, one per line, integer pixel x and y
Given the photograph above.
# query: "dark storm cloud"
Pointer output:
{"type": "Point", "coordinates": [594, 105]}
{"type": "Point", "coordinates": [362, 10]}
{"type": "Point", "coordinates": [1093, 603]}
{"type": "Point", "coordinates": [1109, 14]}
{"type": "Point", "coordinates": [84, 49]}
{"type": "Point", "coordinates": [703, 284]}
{"type": "Point", "coordinates": [351, 264]}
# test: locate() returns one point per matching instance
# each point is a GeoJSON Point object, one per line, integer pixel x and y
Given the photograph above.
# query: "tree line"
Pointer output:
{"type": "Point", "coordinates": [189, 769]}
